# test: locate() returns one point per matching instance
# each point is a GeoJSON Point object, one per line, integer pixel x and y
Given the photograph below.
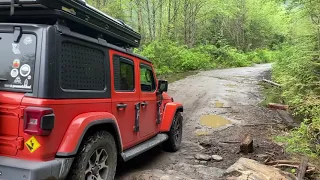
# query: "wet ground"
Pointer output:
{"type": "Point", "coordinates": [221, 107]}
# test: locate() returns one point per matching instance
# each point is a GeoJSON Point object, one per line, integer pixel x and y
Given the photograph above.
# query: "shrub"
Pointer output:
{"type": "Point", "coordinates": [169, 57]}
{"type": "Point", "coordinates": [261, 56]}
{"type": "Point", "coordinates": [296, 69]}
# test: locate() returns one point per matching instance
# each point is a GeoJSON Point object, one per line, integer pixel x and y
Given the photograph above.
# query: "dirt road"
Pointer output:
{"type": "Point", "coordinates": [233, 94]}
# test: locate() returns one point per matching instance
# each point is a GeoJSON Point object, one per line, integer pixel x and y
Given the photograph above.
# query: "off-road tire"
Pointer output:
{"type": "Point", "coordinates": [101, 139]}
{"type": "Point", "coordinates": [173, 144]}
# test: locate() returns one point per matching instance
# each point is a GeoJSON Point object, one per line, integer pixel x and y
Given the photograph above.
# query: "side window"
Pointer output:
{"type": "Point", "coordinates": [123, 74]}
{"type": "Point", "coordinates": [147, 79]}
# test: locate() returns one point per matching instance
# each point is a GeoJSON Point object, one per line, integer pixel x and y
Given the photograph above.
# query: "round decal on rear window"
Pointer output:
{"type": "Point", "coordinates": [25, 70]}
{"type": "Point", "coordinates": [14, 73]}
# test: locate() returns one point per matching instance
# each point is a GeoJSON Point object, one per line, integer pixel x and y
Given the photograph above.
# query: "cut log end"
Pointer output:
{"type": "Point", "coordinates": [246, 145]}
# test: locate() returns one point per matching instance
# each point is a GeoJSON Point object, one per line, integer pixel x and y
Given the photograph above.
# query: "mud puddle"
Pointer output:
{"type": "Point", "coordinates": [214, 121]}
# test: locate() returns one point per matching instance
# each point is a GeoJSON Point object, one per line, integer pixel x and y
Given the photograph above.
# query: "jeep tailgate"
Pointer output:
{"type": "Point", "coordinates": [10, 113]}
{"type": "Point", "coordinates": [17, 59]}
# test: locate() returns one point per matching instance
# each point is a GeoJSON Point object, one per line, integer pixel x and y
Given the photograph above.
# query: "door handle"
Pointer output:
{"type": "Point", "coordinates": [144, 104]}
{"type": "Point", "coordinates": [121, 106]}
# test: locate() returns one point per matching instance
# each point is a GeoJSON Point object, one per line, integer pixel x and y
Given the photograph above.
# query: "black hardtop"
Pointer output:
{"type": "Point", "coordinates": [75, 14]}
{"type": "Point", "coordinates": [29, 27]}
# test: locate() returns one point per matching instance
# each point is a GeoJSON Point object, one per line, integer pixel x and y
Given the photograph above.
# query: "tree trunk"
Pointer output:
{"type": "Point", "coordinates": [319, 38]}
{"type": "Point", "coordinates": [175, 17]}
{"type": "Point", "coordinates": [98, 4]}
{"type": "Point", "coordinates": [149, 19]}
{"type": "Point", "coordinates": [186, 21]}
{"type": "Point", "coordinates": [131, 12]}
{"type": "Point", "coordinates": [169, 18]}
{"type": "Point", "coordinates": [139, 14]}
{"type": "Point", "coordinates": [153, 19]}
{"type": "Point", "coordinates": [243, 21]}
{"type": "Point", "coordinates": [160, 19]}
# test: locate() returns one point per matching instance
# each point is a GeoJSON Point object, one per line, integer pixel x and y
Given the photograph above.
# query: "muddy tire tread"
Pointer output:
{"type": "Point", "coordinates": [170, 144]}
{"type": "Point", "coordinates": [77, 168]}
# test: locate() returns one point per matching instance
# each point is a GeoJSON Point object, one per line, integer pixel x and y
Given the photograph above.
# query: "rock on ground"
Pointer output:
{"type": "Point", "coordinates": [248, 169]}
{"type": "Point", "coordinates": [217, 157]}
{"type": "Point", "coordinates": [203, 157]}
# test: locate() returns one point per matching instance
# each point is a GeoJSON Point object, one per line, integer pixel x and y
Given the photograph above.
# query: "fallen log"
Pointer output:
{"type": "Point", "coordinates": [271, 82]}
{"type": "Point", "coordinates": [302, 169]}
{"type": "Point", "coordinates": [291, 164]}
{"type": "Point", "coordinates": [278, 106]}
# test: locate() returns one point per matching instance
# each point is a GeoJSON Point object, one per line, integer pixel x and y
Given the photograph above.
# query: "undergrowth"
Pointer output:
{"type": "Point", "coordinates": [296, 69]}
{"type": "Point", "coordinates": [170, 57]}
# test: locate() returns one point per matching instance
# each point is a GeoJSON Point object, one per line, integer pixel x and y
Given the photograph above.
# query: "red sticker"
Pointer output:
{"type": "Point", "coordinates": [16, 63]}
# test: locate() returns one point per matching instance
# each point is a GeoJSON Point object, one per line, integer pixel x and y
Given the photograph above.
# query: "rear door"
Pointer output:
{"type": "Point", "coordinates": [17, 63]}
{"type": "Point", "coordinates": [148, 99]}
{"type": "Point", "coordinates": [125, 97]}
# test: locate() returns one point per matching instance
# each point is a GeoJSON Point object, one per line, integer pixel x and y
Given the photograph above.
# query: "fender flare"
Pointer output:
{"type": "Point", "coordinates": [78, 128]}
{"type": "Point", "coordinates": [168, 115]}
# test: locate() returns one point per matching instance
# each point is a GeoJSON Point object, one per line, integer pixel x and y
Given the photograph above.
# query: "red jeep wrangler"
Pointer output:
{"type": "Point", "coordinates": [73, 98]}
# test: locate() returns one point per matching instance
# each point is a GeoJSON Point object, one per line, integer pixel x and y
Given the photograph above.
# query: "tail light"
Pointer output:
{"type": "Point", "coordinates": [38, 121]}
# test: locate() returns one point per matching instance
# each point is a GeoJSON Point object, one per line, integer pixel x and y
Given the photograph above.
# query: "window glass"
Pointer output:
{"type": "Point", "coordinates": [147, 79]}
{"type": "Point", "coordinates": [124, 74]}
{"type": "Point", "coordinates": [17, 63]}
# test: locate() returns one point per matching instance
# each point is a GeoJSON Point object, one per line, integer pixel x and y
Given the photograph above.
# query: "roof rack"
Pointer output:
{"type": "Point", "coordinates": [75, 14]}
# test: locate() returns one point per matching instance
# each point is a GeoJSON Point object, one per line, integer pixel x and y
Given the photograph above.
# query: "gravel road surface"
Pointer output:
{"type": "Point", "coordinates": [230, 96]}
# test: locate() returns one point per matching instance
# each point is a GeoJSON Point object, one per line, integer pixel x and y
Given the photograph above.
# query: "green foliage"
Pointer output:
{"type": "Point", "coordinates": [296, 70]}
{"type": "Point", "coordinates": [169, 57]}
{"type": "Point", "coordinates": [262, 56]}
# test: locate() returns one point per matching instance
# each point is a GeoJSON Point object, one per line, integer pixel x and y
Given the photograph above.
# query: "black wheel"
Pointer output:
{"type": "Point", "coordinates": [96, 160]}
{"type": "Point", "coordinates": [175, 134]}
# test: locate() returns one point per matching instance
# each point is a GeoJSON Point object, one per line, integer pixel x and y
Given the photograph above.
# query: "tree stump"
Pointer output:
{"type": "Point", "coordinates": [246, 145]}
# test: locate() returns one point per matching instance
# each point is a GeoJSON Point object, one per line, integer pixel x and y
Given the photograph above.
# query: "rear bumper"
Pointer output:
{"type": "Point", "coordinates": [16, 169]}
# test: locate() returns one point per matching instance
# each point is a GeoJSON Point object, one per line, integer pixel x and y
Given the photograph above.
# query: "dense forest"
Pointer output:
{"type": "Point", "coordinates": [186, 35]}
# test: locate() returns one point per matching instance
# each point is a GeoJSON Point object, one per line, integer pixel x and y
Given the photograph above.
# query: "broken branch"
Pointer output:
{"type": "Point", "coordinates": [278, 106]}
{"type": "Point", "coordinates": [271, 82]}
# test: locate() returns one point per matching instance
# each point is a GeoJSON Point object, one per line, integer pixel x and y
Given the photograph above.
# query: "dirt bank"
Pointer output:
{"type": "Point", "coordinates": [233, 94]}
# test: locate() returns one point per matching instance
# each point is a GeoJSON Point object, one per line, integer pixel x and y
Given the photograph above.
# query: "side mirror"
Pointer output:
{"type": "Point", "coordinates": [162, 86]}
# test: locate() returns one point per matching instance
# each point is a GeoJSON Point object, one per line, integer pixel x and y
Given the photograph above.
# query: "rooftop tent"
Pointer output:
{"type": "Point", "coordinates": [75, 14]}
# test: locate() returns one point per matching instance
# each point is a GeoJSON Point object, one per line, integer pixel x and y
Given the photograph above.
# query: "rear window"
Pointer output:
{"type": "Point", "coordinates": [17, 61]}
